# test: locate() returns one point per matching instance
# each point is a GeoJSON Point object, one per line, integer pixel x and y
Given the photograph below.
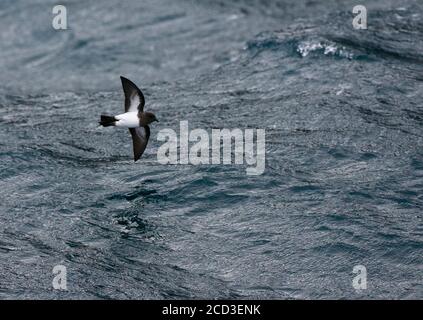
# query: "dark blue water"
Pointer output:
{"type": "Point", "coordinates": [343, 113]}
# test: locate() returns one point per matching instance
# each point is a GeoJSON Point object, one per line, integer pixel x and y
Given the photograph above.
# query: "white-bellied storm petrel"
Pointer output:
{"type": "Point", "coordinates": [134, 117]}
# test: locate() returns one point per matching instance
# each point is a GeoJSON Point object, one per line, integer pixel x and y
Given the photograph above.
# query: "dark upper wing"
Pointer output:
{"type": "Point", "coordinates": [134, 99]}
{"type": "Point", "coordinates": [140, 137]}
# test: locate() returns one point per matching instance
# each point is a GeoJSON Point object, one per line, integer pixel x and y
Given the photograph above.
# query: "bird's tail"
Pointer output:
{"type": "Point", "coordinates": [107, 121]}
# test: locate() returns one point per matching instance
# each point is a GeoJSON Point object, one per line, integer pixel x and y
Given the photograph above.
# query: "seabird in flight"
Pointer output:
{"type": "Point", "coordinates": [134, 117]}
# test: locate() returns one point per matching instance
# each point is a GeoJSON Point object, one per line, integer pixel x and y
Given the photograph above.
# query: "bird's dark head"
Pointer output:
{"type": "Point", "coordinates": [149, 117]}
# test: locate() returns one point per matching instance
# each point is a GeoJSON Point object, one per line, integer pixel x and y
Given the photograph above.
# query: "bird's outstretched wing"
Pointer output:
{"type": "Point", "coordinates": [134, 99]}
{"type": "Point", "coordinates": [140, 137]}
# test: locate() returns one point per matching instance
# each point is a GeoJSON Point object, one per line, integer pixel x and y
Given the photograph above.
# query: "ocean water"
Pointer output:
{"type": "Point", "coordinates": [343, 114]}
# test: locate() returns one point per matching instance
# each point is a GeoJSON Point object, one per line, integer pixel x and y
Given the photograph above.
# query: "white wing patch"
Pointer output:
{"type": "Point", "coordinates": [135, 101]}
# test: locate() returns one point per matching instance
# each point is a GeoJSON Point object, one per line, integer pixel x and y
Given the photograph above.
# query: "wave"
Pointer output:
{"type": "Point", "coordinates": [391, 34]}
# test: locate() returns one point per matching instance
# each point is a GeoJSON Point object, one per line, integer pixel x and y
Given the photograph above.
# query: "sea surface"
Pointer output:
{"type": "Point", "coordinates": [343, 114]}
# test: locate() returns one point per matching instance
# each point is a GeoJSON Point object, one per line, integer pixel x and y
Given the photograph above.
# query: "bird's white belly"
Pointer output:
{"type": "Point", "coordinates": [128, 120]}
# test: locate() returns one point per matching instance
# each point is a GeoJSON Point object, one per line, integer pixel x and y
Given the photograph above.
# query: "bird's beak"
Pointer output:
{"type": "Point", "coordinates": [157, 120]}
